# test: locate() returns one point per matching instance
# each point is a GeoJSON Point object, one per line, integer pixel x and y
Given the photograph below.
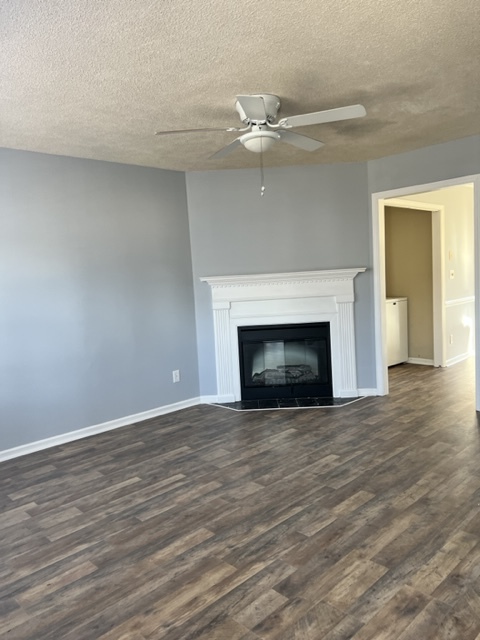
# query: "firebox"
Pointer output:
{"type": "Point", "coordinates": [285, 361]}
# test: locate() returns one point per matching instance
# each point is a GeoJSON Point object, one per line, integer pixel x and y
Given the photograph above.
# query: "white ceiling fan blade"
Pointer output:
{"type": "Point", "coordinates": [297, 140]}
{"type": "Point", "coordinates": [226, 150]}
{"type": "Point", "coordinates": [321, 117]}
{"type": "Point", "coordinates": [166, 133]}
{"type": "Point", "coordinates": [254, 107]}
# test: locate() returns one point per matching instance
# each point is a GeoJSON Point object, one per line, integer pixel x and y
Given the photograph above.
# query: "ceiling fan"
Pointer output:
{"type": "Point", "coordinates": [258, 113]}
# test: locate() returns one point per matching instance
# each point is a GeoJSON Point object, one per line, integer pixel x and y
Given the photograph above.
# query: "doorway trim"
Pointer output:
{"type": "Point", "coordinates": [438, 272]}
{"type": "Point", "coordinates": [379, 286]}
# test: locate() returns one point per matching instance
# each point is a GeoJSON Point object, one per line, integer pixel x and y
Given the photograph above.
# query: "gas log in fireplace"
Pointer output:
{"type": "Point", "coordinates": [285, 361]}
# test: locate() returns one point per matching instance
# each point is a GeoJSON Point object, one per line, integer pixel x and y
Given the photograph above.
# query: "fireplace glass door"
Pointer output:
{"type": "Point", "coordinates": [285, 361]}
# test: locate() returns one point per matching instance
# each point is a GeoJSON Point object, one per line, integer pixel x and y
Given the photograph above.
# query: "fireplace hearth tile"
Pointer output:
{"type": "Point", "coordinates": [286, 403]}
{"type": "Point", "coordinates": [246, 405]}
{"type": "Point", "coordinates": [308, 402]}
{"type": "Point", "coordinates": [269, 403]}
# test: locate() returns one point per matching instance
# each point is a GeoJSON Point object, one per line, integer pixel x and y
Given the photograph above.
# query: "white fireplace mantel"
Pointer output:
{"type": "Point", "coordinates": [284, 298]}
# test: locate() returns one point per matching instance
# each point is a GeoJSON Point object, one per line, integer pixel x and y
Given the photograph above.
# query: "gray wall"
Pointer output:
{"type": "Point", "coordinates": [430, 164]}
{"type": "Point", "coordinates": [311, 217]}
{"type": "Point", "coordinates": [96, 271]}
{"type": "Point", "coordinates": [96, 294]}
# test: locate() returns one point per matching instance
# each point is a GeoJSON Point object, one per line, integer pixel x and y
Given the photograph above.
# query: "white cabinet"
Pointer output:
{"type": "Point", "coordinates": [397, 330]}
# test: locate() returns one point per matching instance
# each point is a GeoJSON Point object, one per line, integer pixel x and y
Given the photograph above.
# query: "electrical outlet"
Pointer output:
{"type": "Point", "coordinates": [451, 338]}
{"type": "Point", "coordinates": [176, 375]}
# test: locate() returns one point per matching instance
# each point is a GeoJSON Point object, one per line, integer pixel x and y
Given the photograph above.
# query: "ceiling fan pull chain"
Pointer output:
{"type": "Point", "coordinates": [262, 179]}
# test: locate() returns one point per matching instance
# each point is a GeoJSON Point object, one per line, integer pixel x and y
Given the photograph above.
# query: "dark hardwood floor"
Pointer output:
{"type": "Point", "coordinates": [358, 522]}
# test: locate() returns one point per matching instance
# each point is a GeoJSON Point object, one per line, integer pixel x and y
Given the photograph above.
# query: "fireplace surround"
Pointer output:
{"type": "Point", "coordinates": [284, 298]}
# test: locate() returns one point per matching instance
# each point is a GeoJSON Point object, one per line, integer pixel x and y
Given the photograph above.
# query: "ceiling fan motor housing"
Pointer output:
{"type": "Point", "coordinates": [272, 105]}
{"type": "Point", "coordinates": [259, 139]}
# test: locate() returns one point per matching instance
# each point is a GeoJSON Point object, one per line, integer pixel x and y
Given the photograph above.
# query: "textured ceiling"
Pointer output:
{"type": "Point", "coordinates": [97, 78]}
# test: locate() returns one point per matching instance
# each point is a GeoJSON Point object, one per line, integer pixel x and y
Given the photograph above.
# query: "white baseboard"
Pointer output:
{"type": "Point", "coordinates": [457, 359]}
{"type": "Point", "coordinates": [424, 361]}
{"type": "Point", "coordinates": [217, 399]}
{"type": "Point", "coordinates": [349, 393]}
{"type": "Point", "coordinates": [63, 438]}
{"type": "Point", "coordinates": [208, 399]}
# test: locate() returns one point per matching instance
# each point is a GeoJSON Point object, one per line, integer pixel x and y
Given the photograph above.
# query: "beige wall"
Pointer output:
{"type": "Point", "coordinates": [408, 265]}
{"type": "Point", "coordinates": [459, 257]}
{"type": "Point", "coordinates": [459, 250]}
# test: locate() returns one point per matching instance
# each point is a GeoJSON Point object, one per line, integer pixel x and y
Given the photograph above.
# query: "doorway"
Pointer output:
{"type": "Point", "coordinates": [414, 249]}
{"type": "Point", "coordinates": [448, 308]}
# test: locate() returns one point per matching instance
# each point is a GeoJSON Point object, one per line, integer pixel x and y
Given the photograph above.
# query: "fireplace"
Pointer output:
{"type": "Point", "coordinates": [269, 299]}
{"type": "Point", "coordinates": [285, 361]}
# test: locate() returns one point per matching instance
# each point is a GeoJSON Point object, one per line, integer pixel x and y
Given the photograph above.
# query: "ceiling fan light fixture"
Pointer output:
{"type": "Point", "coordinates": [258, 141]}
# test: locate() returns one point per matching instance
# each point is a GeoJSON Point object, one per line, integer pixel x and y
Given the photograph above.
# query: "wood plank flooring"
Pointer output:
{"type": "Point", "coordinates": [361, 522]}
